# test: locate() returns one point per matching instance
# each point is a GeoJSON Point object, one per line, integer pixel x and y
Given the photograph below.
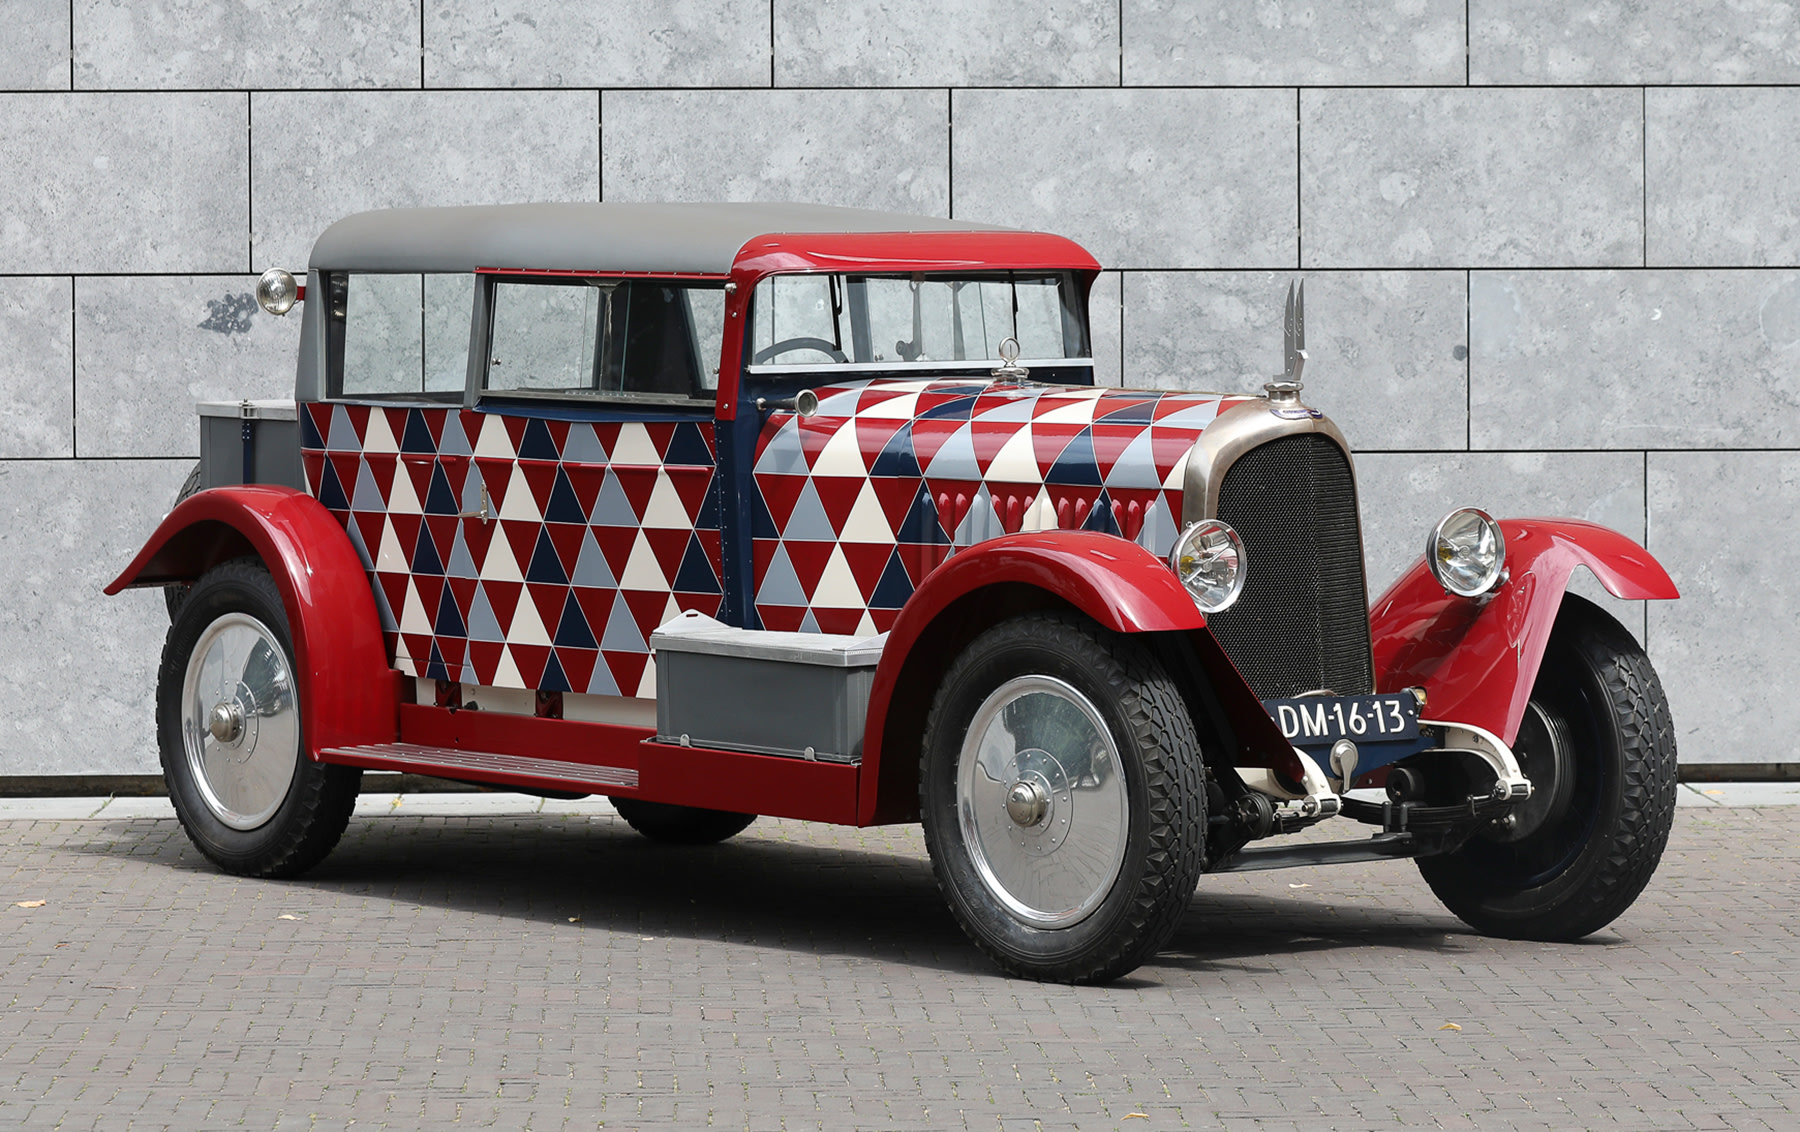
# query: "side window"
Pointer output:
{"type": "Point", "coordinates": [627, 338]}
{"type": "Point", "coordinates": [398, 335]}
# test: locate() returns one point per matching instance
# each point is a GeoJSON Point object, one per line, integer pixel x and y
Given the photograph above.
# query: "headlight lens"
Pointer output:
{"type": "Point", "coordinates": [1209, 560]}
{"type": "Point", "coordinates": [1467, 552]}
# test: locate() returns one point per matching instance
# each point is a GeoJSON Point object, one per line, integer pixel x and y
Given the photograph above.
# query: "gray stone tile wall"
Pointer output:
{"type": "Point", "coordinates": [1554, 259]}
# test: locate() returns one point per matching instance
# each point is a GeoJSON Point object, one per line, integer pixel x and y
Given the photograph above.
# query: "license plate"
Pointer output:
{"type": "Point", "coordinates": [1319, 721]}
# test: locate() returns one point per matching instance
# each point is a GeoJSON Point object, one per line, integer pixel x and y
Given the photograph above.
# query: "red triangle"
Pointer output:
{"type": "Point", "coordinates": [782, 618]}
{"type": "Point", "coordinates": [690, 484]}
{"type": "Point", "coordinates": [873, 434]}
{"type": "Point", "coordinates": [1169, 446]}
{"type": "Point", "coordinates": [359, 420]}
{"type": "Point", "coordinates": [496, 476]}
{"type": "Point", "coordinates": [596, 605]}
{"type": "Point", "coordinates": [463, 591]}
{"type": "Point", "coordinates": [837, 620]}
{"type": "Point", "coordinates": [669, 545]}
{"type": "Point", "coordinates": [549, 601]}
{"type": "Point", "coordinates": [838, 495]}
{"type": "Point", "coordinates": [530, 660]}
{"type": "Point", "coordinates": [381, 468]}
{"type": "Point", "coordinates": [559, 435]}
{"type": "Point", "coordinates": [896, 494]}
{"type": "Point", "coordinates": [541, 475]}
{"type": "Point", "coordinates": [393, 587]}
{"type": "Point", "coordinates": [1048, 441]}
{"type": "Point", "coordinates": [515, 429]}
{"type": "Point", "coordinates": [627, 669]}
{"type": "Point", "coordinates": [780, 493]}
{"type": "Point", "coordinates": [418, 646]}
{"type": "Point", "coordinates": [762, 552]}
{"type": "Point", "coordinates": [503, 599]}
{"type": "Point", "coordinates": [470, 420]}
{"type": "Point", "coordinates": [485, 656]}
{"type": "Point", "coordinates": [368, 525]}
{"type": "Point", "coordinates": [566, 538]}
{"type": "Point", "coordinates": [1110, 442]}
{"type": "Point", "coordinates": [988, 437]}
{"type": "Point", "coordinates": [521, 536]}
{"type": "Point", "coordinates": [615, 545]}
{"type": "Point", "coordinates": [1072, 504]}
{"type": "Point", "coordinates": [661, 432]}
{"type": "Point", "coordinates": [809, 559]}
{"type": "Point", "coordinates": [884, 619]}
{"type": "Point", "coordinates": [710, 544]}
{"type": "Point", "coordinates": [406, 533]}
{"type": "Point", "coordinates": [578, 665]}
{"type": "Point", "coordinates": [396, 422]}
{"type": "Point", "coordinates": [639, 483]}
{"type": "Point", "coordinates": [476, 536]}
{"type": "Point", "coordinates": [456, 473]}
{"type": "Point", "coordinates": [443, 535]}
{"type": "Point", "coordinates": [434, 424]}
{"type": "Point", "coordinates": [345, 464]}
{"type": "Point", "coordinates": [873, 395]}
{"type": "Point", "coordinates": [646, 608]}
{"type": "Point", "coordinates": [1130, 506]}
{"type": "Point", "coordinates": [815, 433]}
{"type": "Point", "coordinates": [607, 433]}
{"type": "Point", "coordinates": [313, 462]}
{"type": "Point", "coordinates": [929, 436]}
{"type": "Point", "coordinates": [586, 479]}
{"type": "Point", "coordinates": [418, 470]}
{"type": "Point", "coordinates": [953, 498]}
{"type": "Point", "coordinates": [321, 418]}
{"type": "Point", "coordinates": [431, 590]}
{"type": "Point", "coordinates": [867, 561]}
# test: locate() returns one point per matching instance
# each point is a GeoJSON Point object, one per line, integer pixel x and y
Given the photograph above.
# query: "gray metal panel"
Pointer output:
{"type": "Point", "coordinates": [696, 633]}
{"type": "Point", "coordinates": [275, 455]}
{"type": "Point", "coordinates": [697, 238]}
{"type": "Point", "coordinates": [741, 703]}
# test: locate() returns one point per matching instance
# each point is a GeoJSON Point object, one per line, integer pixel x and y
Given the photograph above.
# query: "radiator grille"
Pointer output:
{"type": "Point", "coordinates": [1302, 622]}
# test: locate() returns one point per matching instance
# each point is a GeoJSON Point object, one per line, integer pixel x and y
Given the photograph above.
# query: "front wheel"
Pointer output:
{"type": "Point", "coordinates": [1598, 747]}
{"type": "Point", "coordinates": [230, 732]}
{"type": "Point", "coordinates": [1062, 795]}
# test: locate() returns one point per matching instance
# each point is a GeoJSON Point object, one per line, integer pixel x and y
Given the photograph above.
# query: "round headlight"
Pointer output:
{"type": "Point", "coordinates": [1467, 552]}
{"type": "Point", "coordinates": [277, 291]}
{"type": "Point", "coordinates": [1209, 560]}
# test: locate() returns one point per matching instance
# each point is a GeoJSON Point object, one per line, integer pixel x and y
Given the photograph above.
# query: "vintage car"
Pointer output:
{"type": "Point", "coordinates": [739, 509]}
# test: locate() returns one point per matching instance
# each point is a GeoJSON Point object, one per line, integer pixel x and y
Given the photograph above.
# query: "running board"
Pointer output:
{"type": "Point", "coordinates": [422, 759]}
{"type": "Point", "coordinates": [1381, 847]}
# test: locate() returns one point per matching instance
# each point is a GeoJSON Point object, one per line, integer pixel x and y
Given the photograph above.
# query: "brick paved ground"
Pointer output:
{"type": "Point", "coordinates": [553, 972]}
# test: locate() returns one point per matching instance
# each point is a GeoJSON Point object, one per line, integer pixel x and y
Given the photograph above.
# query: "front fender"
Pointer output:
{"type": "Point", "coordinates": [1477, 660]}
{"type": "Point", "coordinates": [1117, 583]}
{"type": "Point", "coordinates": [348, 694]}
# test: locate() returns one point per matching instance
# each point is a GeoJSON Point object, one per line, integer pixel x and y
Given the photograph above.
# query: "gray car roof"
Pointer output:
{"type": "Point", "coordinates": [699, 238]}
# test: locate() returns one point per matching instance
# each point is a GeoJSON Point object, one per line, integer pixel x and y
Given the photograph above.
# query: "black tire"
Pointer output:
{"type": "Point", "coordinates": [175, 593]}
{"type": "Point", "coordinates": [1148, 813]}
{"type": "Point", "coordinates": [1600, 751]}
{"type": "Point", "coordinates": [251, 801]}
{"type": "Point", "coordinates": [680, 825]}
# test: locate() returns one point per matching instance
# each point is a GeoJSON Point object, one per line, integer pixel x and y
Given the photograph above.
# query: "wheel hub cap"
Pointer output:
{"type": "Point", "coordinates": [240, 725]}
{"type": "Point", "coordinates": [226, 721]}
{"type": "Point", "coordinates": [1026, 803]}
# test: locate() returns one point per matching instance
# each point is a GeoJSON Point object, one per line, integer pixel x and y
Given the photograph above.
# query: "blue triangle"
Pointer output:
{"type": "Point", "coordinates": [563, 506]}
{"type": "Point", "coordinates": [425, 556]}
{"type": "Point", "coordinates": [449, 619]}
{"type": "Point", "coordinates": [1141, 413]}
{"type": "Point", "coordinates": [331, 492]}
{"type": "Point", "coordinates": [921, 524]}
{"type": "Point", "coordinates": [688, 446]}
{"type": "Point", "coordinates": [1101, 517]}
{"type": "Point", "coordinates": [555, 679]}
{"type": "Point", "coordinates": [572, 630]}
{"type": "Point", "coordinates": [435, 668]}
{"type": "Point", "coordinates": [417, 437]}
{"type": "Point", "coordinates": [951, 410]}
{"type": "Point", "coordinates": [1075, 464]}
{"type": "Point", "coordinates": [536, 443]}
{"type": "Point", "coordinates": [309, 432]}
{"type": "Point", "coordinates": [695, 575]}
{"type": "Point", "coordinates": [895, 586]}
{"type": "Point", "coordinates": [762, 523]}
{"type": "Point", "coordinates": [439, 499]}
{"type": "Point", "coordinates": [545, 566]}
{"type": "Point", "coordinates": [897, 457]}
{"type": "Point", "coordinates": [708, 519]}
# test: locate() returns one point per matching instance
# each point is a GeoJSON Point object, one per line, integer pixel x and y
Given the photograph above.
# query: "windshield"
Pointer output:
{"type": "Point", "coordinates": [916, 320]}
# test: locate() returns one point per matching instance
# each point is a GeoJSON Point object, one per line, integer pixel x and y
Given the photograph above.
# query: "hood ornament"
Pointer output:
{"type": "Point", "coordinates": [1284, 392]}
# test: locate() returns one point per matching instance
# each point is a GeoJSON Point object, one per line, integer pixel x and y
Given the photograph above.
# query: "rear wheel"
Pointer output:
{"type": "Point", "coordinates": [230, 733]}
{"type": "Point", "coordinates": [1062, 795]}
{"type": "Point", "coordinates": [681, 825]}
{"type": "Point", "coordinates": [1598, 747]}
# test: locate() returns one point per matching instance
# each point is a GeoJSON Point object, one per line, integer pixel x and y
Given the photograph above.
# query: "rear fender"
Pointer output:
{"type": "Point", "coordinates": [348, 694]}
{"type": "Point", "coordinates": [1477, 659]}
{"type": "Point", "coordinates": [1117, 583]}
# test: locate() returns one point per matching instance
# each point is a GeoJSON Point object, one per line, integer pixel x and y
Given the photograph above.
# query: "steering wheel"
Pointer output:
{"type": "Point", "coordinates": [822, 345]}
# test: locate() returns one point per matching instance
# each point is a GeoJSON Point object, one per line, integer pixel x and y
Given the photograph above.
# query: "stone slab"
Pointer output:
{"type": "Point", "coordinates": [644, 43]}
{"type": "Point", "coordinates": [1719, 190]}
{"type": "Point", "coordinates": [1227, 43]}
{"type": "Point", "coordinates": [188, 44]}
{"type": "Point", "coordinates": [1035, 43]}
{"type": "Point", "coordinates": [37, 46]}
{"type": "Point", "coordinates": [870, 149]}
{"type": "Point", "coordinates": [319, 156]}
{"type": "Point", "coordinates": [37, 368]}
{"type": "Point", "coordinates": [79, 667]}
{"type": "Point", "coordinates": [1387, 357]}
{"type": "Point", "coordinates": [1634, 359]}
{"type": "Point", "coordinates": [1106, 327]}
{"type": "Point", "coordinates": [1595, 41]}
{"type": "Point", "coordinates": [1722, 523]}
{"type": "Point", "coordinates": [150, 348]}
{"type": "Point", "coordinates": [1471, 178]}
{"type": "Point", "coordinates": [1164, 178]}
{"type": "Point", "coordinates": [1403, 495]}
{"type": "Point", "coordinates": [107, 183]}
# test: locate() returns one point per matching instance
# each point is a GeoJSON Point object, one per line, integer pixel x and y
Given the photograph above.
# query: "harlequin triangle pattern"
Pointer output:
{"type": "Point", "coordinates": [474, 547]}
{"type": "Point", "coordinates": [945, 465]}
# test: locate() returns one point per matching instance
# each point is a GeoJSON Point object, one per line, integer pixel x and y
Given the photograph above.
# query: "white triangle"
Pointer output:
{"type": "Point", "coordinates": [1177, 477]}
{"type": "Point", "coordinates": [413, 618]}
{"type": "Point", "coordinates": [527, 627]}
{"type": "Point", "coordinates": [646, 689]}
{"type": "Point", "coordinates": [894, 408]}
{"type": "Point", "coordinates": [494, 441]}
{"type": "Point", "coordinates": [1016, 462]}
{"type": "Point", "coordinates": [642, 572]}
{"type": "Point", "coordinates": [665, 509]}
{"type": "Point", "coordinates": [842, 454]}
{"type": "Point", "coordinates": [506, 673]}
{"type": "Point", "coordinates": [519, 502]}
{"type": "Point", "coordinates": [379, 437]}
{"type": "Point", "coordinates": [671, 610]}
{"type": "Point", "coordinates": [837, 587]}
{"type": "Point", "coordinates": [1041, 515]}
{"type": "Point", "coordinates": [501, 566]}
{"type": "Point", "coordinates": [634, 446]}
{"type": "Point", "coordinates": [402, 499]}
{"type": "Point", "coordinates": [1079, 412]}
{"type": "Point", "coordinates": [866, 627]}
{"type": "Point", "coordinates": [867, 522]}
{"type": "Point", "coordinates": [389, 558]}
{"type": "Point", "coordinates": [400, 652]}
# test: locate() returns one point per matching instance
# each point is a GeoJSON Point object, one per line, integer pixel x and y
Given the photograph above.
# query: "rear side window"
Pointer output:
{"type": "Point", "coordinates": [623, 338]}
{"type": "Point", "coordinates": [399, 336]}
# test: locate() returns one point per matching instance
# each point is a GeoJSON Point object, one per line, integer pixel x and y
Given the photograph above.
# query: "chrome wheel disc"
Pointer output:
{"type": "Point", "coordinates": [240, 726]}
{"type": "Point", "coordinates": [1041, 801]}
